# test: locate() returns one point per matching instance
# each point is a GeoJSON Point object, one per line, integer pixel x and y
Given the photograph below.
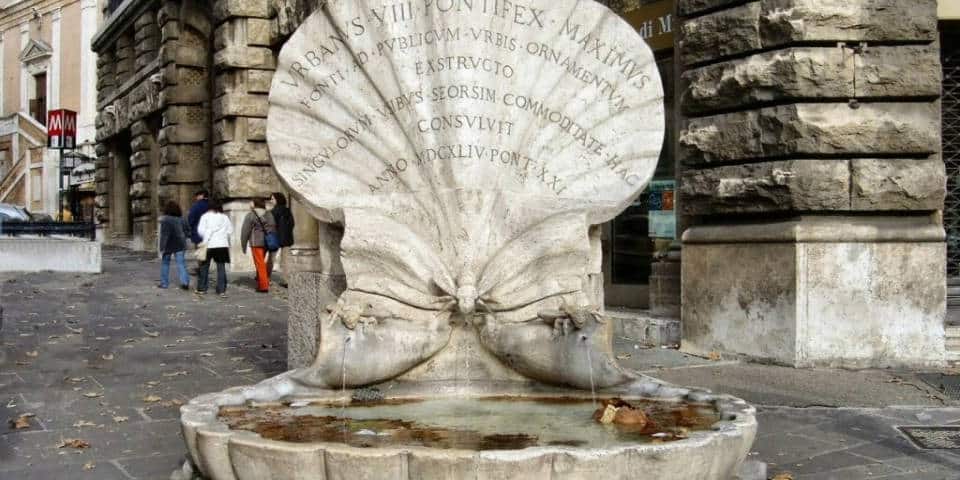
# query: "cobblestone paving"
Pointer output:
{"type": "Point", "coordinates": [107, 359]}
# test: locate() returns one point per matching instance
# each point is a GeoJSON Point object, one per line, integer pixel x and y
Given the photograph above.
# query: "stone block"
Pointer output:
{"type": "Point", "coordinates": [259, 32]}
{"type": "Point", "coordinates": [140, 175]}
{"type": "Point", "coordinates": [182, 134]}
{"type": "Point", "coordinates": [309, 295]}
{"type": "Point", "coordinates": [149, 44]}
{"type": "Point", "coordinates": [789, 185]}
{"type": "Point", "coordinates": [142, 207]}
{"type": "Point", "coordinates": [691, 7]}
{"type": "Point", "coordinates": [139, 159]}
{"type": "Point", "coordinates": [239, 105]}
{"type": "Point", "coordinates": [811, 73]}
{"type": "Point", "coordinates": [721, 34]}
{"type": "Point", "coordinates": [170, 31]}
{"type": "Point", "coordinates": [851, 292]}
{"type": "Point", "coordinates": [139, 128]}
{"type": "Point", "coordinates": [146, 18]}
{"type": "Point", "coordinates": [73, 255]}
{"type": "Point", "coordinates": [258, 81]}
{"type": "Point", "coordinates": [244, 181]}
{"type": "Point", "coordinates": [771, 23]}
{"type": "Point", "coordinates": [183, 94]}
{"type": "Point", "coordinates": [256, 129]}
{"type": "Point", "coordinates": [141, 189]}
{"type": "Point", "coordinates": [184, 164]}
{"type": "Point", "coordinates": [193, 115]}
{"type": "Point", "coordinates": [225, 9]}
{"type": "Point", "coordinates": [101, 189]}
{"type": "Point", "coordinates": [813, 129]}
{"type": "Point", "coordinates": [241, 153]}
{"type": "Point", "coordinates": [224, 130]}
{"type": "Point", "coordinates": [245, 57]}
{"type": "Point", "coordinates": [894, 184]}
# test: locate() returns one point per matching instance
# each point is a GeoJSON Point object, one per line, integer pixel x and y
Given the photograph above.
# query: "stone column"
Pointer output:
{"type": "Point", "coordinates": [245, 65]}
{"type": "Point", "coordinates": [144, 163]}
{"type": "Point", "coordinates": [813, 177]}
{"type": "Point", "coordinates": [184, 34]}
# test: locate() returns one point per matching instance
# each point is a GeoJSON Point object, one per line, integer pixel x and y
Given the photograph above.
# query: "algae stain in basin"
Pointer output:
{"type": "Point", "coordinates": [467, 424]}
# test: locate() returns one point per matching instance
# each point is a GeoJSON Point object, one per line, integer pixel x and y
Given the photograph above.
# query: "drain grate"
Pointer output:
{"type": "Point", "coordinates": [949, 385]}
{"type": "Point", "coordinates": [934, 438]}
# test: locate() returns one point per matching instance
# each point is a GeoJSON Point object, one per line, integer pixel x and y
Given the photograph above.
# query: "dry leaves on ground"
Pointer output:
{"type": "Point", "coordinates": [84, 423]}
{"type": "Point", "coordinates": [21, 422]}
{"type": "Point", "coordinates": [33, 354]}
{"type": "Point", "coordinates": [74, 443]}
{"type": "Point", "coordinates": [784, 476]}
{"type": "Point", "coordinates": [89, 466]}
{"type": "Point", "coordinates": [151, 399]}
{"type": "Point", "coordinates": [120, 419]}
{"type": "Point", "coordinates": [93, 394]}
{"type": "Point", "coordinates": [714, 356]}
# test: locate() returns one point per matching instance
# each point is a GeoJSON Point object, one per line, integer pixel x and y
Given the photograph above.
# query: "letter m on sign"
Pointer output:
{"type": "Point", "coordinates": [62, 129]}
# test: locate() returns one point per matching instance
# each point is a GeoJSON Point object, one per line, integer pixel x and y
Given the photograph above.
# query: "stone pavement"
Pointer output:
{"type": "Point", "coordinates": [108, 358]}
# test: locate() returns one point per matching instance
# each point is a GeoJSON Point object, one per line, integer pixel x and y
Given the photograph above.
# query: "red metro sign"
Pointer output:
{"type": "Point", "coordinates": [62, 129]}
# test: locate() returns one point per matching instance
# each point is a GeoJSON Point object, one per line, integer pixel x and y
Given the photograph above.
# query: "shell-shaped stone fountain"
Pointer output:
{"type": "Point", "coordinates": [467, 147]}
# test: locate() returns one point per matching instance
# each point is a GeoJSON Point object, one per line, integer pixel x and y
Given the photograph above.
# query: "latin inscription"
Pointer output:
{"type": "Point", "coordinates": [339, 59]}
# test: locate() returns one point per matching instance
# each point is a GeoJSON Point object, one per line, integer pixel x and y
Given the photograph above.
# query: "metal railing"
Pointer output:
{"type": "Point", "coordinates": [45, 229]}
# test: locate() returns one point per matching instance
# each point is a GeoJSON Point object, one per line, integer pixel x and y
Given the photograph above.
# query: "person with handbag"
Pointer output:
{"type": "Point", "coordinates": [260, 231]}
{"type": "Point", "coordinates": [214, 229]}
{"type": "Point", "coordinates": [174, 231]}
{"type": "Point", "coordinates": [285, 223]}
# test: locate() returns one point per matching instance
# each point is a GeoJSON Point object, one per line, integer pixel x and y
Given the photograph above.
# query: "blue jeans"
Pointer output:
{"type": "Point", "coordinates": [203, 276]}
{"type": "Point", "coordinates": [181, 269]}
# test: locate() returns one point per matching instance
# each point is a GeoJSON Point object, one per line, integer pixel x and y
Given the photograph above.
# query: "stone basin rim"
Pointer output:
{"type": "Point", "coordinates": [199, 418]}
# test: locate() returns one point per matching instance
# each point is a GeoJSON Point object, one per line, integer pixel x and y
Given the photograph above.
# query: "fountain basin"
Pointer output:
{"type": "Point", "coordinates": [279, 429]}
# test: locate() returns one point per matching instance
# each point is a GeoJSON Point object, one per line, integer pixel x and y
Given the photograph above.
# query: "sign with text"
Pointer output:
{"type": "Point", "coordinates": [61, 129]}
{"type": "Point", "coordinates": [663, 219]}
{"type": "Point", "coordinates": [654, 22]}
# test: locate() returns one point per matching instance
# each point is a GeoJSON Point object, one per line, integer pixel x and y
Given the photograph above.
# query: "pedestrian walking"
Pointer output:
{"type": "Point", "coordinates": [174, 232]}
{"type": "Point", "coordinates": [258, 230]}
{"type": "Point", "coordinates": [200, 206]}
{"type": "Point", "coordinates": [284, 220]}
{"type": "Point", "coordinates": [214, 230]}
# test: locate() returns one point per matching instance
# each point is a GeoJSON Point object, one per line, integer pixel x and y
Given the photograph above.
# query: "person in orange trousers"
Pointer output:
{"type": "Point", "coordinates": [255, 227]}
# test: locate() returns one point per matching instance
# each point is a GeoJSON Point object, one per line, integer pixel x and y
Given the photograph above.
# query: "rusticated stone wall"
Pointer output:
{"type": "Point", "coordinates": [812, 178]}
{"type": "Point", "coordinates": [810, 106]}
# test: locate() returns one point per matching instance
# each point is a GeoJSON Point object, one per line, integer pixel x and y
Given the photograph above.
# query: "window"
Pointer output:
{"type": "Point", "coordinates": [38, 104]}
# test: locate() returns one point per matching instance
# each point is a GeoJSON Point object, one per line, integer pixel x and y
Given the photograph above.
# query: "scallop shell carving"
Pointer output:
{"type": "Point", "coordinates": [466, 146]}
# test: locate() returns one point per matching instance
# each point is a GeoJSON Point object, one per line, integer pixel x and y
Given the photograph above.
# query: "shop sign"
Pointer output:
{"type": "Point", "coordinates": [662, 216]}
{"type": "Point", "coordinates": [62, 129]}
{"type": "Point", "coordinates": [84, 173]}
{"type": "Point", "coordinates": [654, 22]}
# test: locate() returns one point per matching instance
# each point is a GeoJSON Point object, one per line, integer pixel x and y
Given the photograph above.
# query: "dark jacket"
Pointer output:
{"type": "Point", "coordinates": [252, 230]}
{"type": "Point", "coordinates": [173, 234]}
{"type": "Point", "coordinates": [284, 219]}
{"type": "Point", "coordinates": [196, 211]}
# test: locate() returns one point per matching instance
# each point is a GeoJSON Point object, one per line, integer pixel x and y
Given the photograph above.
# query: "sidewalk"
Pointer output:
{"type": "Point", "coordinates": [107, 359]}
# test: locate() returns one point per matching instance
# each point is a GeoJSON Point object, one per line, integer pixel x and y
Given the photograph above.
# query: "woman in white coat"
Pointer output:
{"type": "Point", "coordinates": [215, 229]}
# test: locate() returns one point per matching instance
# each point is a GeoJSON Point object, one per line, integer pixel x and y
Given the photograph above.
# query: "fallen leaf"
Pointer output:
{"type": "Point", "coordinates": [176, 374]}
{"type": "Point", "coordinates": [120, 419]}
{"type": "Point", "coordinates": [93, 394]}
{"type": "Point", "coordinates": [151, 399]}
{"type": "Point", "coordinates": [152, 383]}
{"type": "Point", "coordinates": [77, 379]}
{"type": "Point", "coordinates": [75, 330]}
{"type": "Point", "coordinates": [33, 354]}
{"type": "Point", "coordinates": [23, 363]}
{"type": "Point", "coordinates": [623, 356]}
{"type": "Point", "coordinates": [206, 354]}
{"type": "Point", "coordinates": [102, 339]}
{"type": "Point", "coordinates": [21, 422]}
{"type": "Point", "coordinates": [108, 356]}
{"type": "Point", "coordinates": [74, 443]}
{"type": "Point", "coordinates": [714, 356]}
{"type": "Point", "coordinates": [152, 334]}
{"type": "Point", "coordinates": [783, 476]}
{"type": "Point", "coordinates": [12, 403]}
{"type": "Point", "coordinates": [243, 370]}
{"type": "Point", "coordinates": [84, 423]}
{"type": "Point", "coordinates": [89, 466]}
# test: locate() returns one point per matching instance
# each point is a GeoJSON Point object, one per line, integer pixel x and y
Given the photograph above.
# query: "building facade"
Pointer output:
{"type": "Point", "coordinates": [45, 64]}
{"type": "Point", "coordinates": [797, 214]}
